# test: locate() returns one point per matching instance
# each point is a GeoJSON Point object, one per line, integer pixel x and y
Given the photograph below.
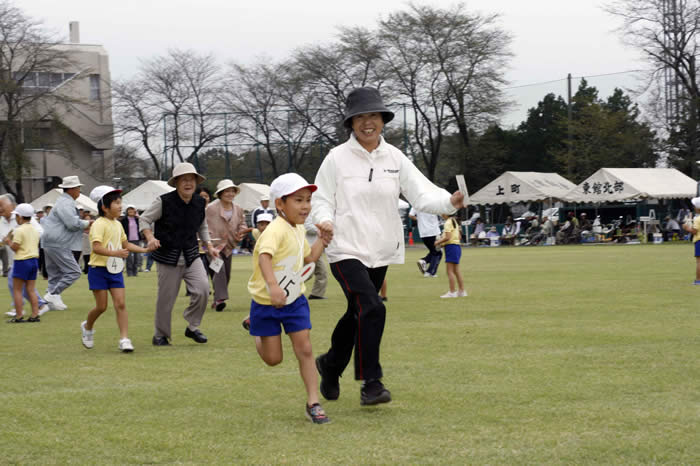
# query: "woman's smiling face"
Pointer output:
{"type": "Point", "coordinates": [368, 129]}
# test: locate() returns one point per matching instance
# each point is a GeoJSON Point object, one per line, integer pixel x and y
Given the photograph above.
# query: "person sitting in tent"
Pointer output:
{"type": "Point", "coordinates": [509, 232]}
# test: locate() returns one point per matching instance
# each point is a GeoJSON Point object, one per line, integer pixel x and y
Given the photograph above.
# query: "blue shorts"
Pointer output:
{"type": "Point", "coordinates": [453, 253]}
{"type": "Point", "coordinates": [25, 269]}
{"type": "Point", "coordinates": [697, 249]}
{"type": "Point", "coordinates": [100, 279]}
{"type": "Point", "coordinates": [265, 319]}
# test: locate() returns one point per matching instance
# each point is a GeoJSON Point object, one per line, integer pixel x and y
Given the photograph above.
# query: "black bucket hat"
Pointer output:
{"type": "Point", "coordinates": [365, 100]}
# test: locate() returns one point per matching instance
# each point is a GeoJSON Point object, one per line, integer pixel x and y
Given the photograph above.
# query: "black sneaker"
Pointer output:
{"type": "Point", "coordinates": [246, 323]}
{"type": "Point", "coordinates": [316, 415]}
{"type": "Point", "coordinates": [330, 386]}
{"type": "Point", "coordinates": [374, 393]}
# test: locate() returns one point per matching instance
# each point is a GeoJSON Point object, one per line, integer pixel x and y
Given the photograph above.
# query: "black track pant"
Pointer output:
{"type": "Point", "coordinates": [362, 325]}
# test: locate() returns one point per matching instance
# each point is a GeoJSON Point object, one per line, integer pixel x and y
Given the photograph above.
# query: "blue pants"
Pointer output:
{"type": "Point", "coordinates": [433, 257]}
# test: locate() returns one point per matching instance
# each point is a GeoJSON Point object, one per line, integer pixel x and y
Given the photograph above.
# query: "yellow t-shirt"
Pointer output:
{"type": "Point", "coordinates": [696, 225]}
{"type": "Point", "coordinates": [452, 227]}
{"type": "Point", "coordinates": [28, 239]}
{"type": "Point", "coordinates": [110, 234]}
{"type": "Point", "coordinates": [282, 241]}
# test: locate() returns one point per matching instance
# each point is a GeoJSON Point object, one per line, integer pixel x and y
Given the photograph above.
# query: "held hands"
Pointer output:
{"type": "Point", "coordinates": [241, 234]}
{"type": "Point", "coordinates": [457, 200]}
{"type": "Point", "coordinates": [123, 253]}
{"type": "Point", "coordinates": [325, 232]}
{"type": "Point", "coordinates": [277, 296]}
{"type": "Point", "coordinates": [153, 244]}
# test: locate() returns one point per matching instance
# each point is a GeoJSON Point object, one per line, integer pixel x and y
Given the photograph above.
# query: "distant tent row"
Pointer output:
{"type": "Point", "coordinates": [50, 197]}
{"type": "Point", "coordinates": [605, 185]}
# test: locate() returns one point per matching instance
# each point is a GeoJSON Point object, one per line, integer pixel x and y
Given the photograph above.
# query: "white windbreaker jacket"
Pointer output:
{"type": "Point", "coordinates": [358, 193]}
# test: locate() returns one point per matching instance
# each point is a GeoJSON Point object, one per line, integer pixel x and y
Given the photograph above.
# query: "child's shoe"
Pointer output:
{"type": "Point", "coordinates": [125, 345]}
{"type": "Point", "coordinates": [462, 294]}
{"type": "Point", "coordinates": [422, 266]}
{"type": "Point", "coordinates": [450, 294]}
{"type": "Point", "coordinates": [11, 313]}
{"type": "Point", "coordinates": [44, 309]}
{"type": "Point", "coordinates": [246, 323]}
{"type": "Point", "coordinates": [316, 414]}
{"type": "Point", "coordinates": [34, 319]}
{"type": "Point", "coordinates": [87, 336]}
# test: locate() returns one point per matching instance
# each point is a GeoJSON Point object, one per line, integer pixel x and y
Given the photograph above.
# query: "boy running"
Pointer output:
{"type": "Point", "coordinates": [280, 261]}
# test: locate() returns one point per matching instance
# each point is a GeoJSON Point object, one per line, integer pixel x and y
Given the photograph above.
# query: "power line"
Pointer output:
{"type": "Point", "coordinates": [574, 77]}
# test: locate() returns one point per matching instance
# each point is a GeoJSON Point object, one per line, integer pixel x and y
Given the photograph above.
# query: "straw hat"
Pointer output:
{"type": "Point", "coordinates": [184, 168]}
{"type": "Point", "coordinates": [225, 184]}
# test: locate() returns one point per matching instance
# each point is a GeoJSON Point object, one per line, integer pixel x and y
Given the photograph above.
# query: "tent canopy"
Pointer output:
{"type": "Point", "coordinates": [513, 187]}
{"type": "Point", "coordinates": [83, 202]}
{"type": "Point", "coordinates": [143, 195]}
{"type": "Point", "coordinates": [619, 184]}
{"type": "Point", "coordinates": [249, 197]}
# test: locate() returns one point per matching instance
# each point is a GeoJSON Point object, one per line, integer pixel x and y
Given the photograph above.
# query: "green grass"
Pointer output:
{"type": "Point", "coordinates": [573, 355]}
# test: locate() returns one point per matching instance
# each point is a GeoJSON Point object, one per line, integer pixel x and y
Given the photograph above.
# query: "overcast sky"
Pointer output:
{"type": "Point", "coordinates": [550, 37]}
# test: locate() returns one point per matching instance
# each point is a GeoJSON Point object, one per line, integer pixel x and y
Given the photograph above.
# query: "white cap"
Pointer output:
{"type": "Point", "coordinates": [287, 184]}
{"type": "Point", "coordinates": [101, 191]}
{"type": "Point", "coordinates": [70, 182]}
{"type": "Point", "coordinates": [265, 197]}
{"type": "Point", "coordinates": [696, 202]}
{"type": "Point", "coordinates": [24, 210]}
{"type": "Point", "coordinates": [184, 168]}
{"type": "Point", "coordinates": [225, 184]}
{"type": "Point", "coordinates": [264, 218]}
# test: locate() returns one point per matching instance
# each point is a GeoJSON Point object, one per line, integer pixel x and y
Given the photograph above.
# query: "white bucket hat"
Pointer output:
{"type": "Point", "coordinates": [184, 168]}
{"type": "Point", "coordinates": [225, 184]}
{"type": "Point", "coordinates": [24, 210]}
{"type": "Point", "coordinates": [70, 182]}
{"type": "Point", "coordinates": [287, 184]}
{"type": "Point", "coordinates": [265, 197]}
{"type": "Point", "coordinates": [99, 192]}
{"type": "Point", "coordinates": [264, 218]}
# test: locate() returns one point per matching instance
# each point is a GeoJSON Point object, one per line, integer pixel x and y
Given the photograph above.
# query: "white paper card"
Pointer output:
{"type": "Point", "coordinates": [462, 185]}
{"type": "Point", "coordinates": [216, 264]}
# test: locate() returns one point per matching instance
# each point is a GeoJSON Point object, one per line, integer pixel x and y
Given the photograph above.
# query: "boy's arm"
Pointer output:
{"type": "Point", "coordinates": [277, 295]}
{"type": "Point", "coordinates": [14, 246]}
{"type": "Point", "coordinates": [97, 248]}
{"type": "Point", "coordinates": [316, 251]}
{"type": "Point", "coordinates": [134, 248]}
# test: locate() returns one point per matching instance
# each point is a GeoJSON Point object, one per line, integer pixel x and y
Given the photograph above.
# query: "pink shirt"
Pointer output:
{"type": "Point", "coordinates": [133, 229]}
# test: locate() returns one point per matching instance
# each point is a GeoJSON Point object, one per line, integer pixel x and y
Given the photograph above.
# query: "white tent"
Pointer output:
{"type": "Point", "coordinates": [513, 187]}
{"type": "Point", "coordinates": [249, 197]}
{"type": "Point", "coordinates": [50, 197]}
{"type": "Point", "coordinates": [619, 184]}
{"type": "Point", "coordinates": [143, 195]}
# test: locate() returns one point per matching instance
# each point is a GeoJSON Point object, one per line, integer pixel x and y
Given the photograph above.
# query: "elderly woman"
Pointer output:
{"type": "Point", "coordinates": [227, 225]}
{"type": "Point", "coordinates": [170, 225]}
{"type": "Point", "coordinates": [359, 183]}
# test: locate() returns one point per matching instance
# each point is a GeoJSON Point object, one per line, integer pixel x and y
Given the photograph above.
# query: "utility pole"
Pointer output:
{"type": "Point", "coordinates": [570, 159]}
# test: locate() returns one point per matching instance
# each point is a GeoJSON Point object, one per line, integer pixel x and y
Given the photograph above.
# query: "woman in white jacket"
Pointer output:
{"type": "Point", "coordinates": [359, 183]}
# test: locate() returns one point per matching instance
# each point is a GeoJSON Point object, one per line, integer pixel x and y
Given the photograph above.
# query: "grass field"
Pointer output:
{"type": "Point", "coordinates": [575, 355]}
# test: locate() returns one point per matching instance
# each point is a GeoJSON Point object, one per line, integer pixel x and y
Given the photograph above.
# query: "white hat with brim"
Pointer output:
{"type": "Point", "coordinates": [265, 197]}
{"type": "Point", "coordinates": [70, 182]}
{"type": "Point", "coordinates": [225, 184]}
{"type": "Point", "coordinates": [99, 192]}
{"type": "Point", "coordinates": [287, 184]}
{"type": "Point", "coordinates": [24, 210]}
{"type": "Point", "coordinates": [696, 202]}
{"type": "Point", "coordinates": [264, 218]}
{"type": "Point", "coordinates": [184, 168]}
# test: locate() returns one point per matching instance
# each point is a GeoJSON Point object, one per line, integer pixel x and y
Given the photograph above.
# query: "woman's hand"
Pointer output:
{"type": "Point", "coordinates": [153, 244]}
{"type": "Point", "coordinates": [325, 232]}
{"type": "Point", "coordinates": [457, 200]}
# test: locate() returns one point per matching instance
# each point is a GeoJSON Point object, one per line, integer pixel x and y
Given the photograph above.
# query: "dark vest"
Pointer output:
{"type": "Point", "coordinates": [177, 229]}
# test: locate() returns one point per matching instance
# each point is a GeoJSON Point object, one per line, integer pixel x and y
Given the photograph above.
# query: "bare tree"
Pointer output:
{"type": "Point", "coordinates": [32, 88]}
{"type": "Point", "coordinates": [666, 32]}
{"type": "Point", "coordinates": [174, 97]}
{"type": "Point", "coordinates": [449, 64]}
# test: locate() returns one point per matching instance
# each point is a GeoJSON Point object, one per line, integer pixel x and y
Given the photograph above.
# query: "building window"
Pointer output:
{"type": "Point", "coordinates": [94, 87]}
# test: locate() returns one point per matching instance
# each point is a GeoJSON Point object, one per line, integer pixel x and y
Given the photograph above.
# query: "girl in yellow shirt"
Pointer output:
{"type": "Point", "coordinates": [453, 252]}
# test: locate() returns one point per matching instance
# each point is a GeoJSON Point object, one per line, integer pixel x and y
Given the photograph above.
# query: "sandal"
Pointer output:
{"type": "Point", "coordinates": [34, 319]}
{"type": "Point", "coordinates": [16, 320]}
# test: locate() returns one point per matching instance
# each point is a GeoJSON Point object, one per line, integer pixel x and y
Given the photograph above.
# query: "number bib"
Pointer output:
{"type": "Point", "coordinates": [115, 265]}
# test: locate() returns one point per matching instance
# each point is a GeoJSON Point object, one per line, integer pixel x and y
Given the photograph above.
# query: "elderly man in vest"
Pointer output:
{"type": "Point", "coordinates": [171, 225]}
{"type": "Point", "coordinates": [63, 234]}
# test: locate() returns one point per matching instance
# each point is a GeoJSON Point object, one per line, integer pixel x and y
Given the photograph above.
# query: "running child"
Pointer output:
{"type": "Point", "coordinates": [693, 227]}
{"type": "Point", "coordinates": [277, 284]}
{"type": "Point", "coordinates": [453, 252]}
{"type": "Point", "coordinates": [109, 249]}
{"type": "Point", "coordinates": [25, 244]}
